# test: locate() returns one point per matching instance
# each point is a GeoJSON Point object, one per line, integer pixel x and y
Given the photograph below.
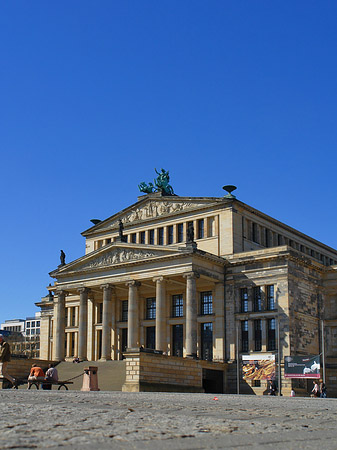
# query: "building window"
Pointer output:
{"type": "Point", "coordinates": [33, 324]}
{"type": "Point", "coordinates": [28, 332]}
{"type": "Point", "coordinates": [201, 229]}
{"type": "Point", "coordinates": [257, 298]}
{"type": "Point", "coordinates": [170, 234]}
{"type": "Point", "coordinates": [142, 237]}
{"type": "Point", "coordinates": [255, 233]}
{"type": "Point", "coordinates": [206, 303]}
{"type": "Point", "coordinates": [38, 323]}
{"type": "Point", "coordinates": [161, 236]}
{"type": "Point", "coordinates": [258, 335]}
{"type": "Point", "coordinates": [244, 300]}
{"type": "Point", "coordinates": [244, 336]}
{"type": "Point", "coordinates": [124, 311]}
{"type": "Point", "coordinates": [271, 334]}
{"type": "Point", "coordinates": [72, 317]}
{"type": "Point", "coordinates": [38, 331]}
{"type": "Point", "coordinates": [151, 308]}
{"type": "Point", "coordinates": [133, 238]}
{"type": "Point", "coordinates": [207, 341]}
{"type": "Point", "coordinates": [177, 305]}
{"type": "Point", "coordinates": [151, 237]}
{"type": "Point", "coordinates": [180, 236]}
{"type": "Point", "coordinates": [99, 313]}
{"type": "Point", "coordinates": [270, 298]}
{"type": "Point", "coordinates": [27, 324]}
{"type": "Point", "coordinates": [32, 332]}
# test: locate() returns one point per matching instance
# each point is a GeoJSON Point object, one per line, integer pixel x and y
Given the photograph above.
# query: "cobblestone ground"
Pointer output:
{"type": "Point", "coordinates": [101, 420]}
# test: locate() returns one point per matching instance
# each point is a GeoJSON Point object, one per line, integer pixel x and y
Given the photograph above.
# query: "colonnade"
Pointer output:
{"type": "Point", "coordinates": [108, 321]}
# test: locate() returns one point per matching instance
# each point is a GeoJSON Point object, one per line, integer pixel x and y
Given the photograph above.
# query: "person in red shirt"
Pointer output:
{"type": "Point", "coordinates": [36, 374]}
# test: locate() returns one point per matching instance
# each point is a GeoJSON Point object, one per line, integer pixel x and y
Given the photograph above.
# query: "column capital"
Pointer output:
{"type": "Point", "coordinates": [107, 286]}
{"type": "Point", "coordinates": [59, 292]}
{"type": "Point", "coordinates": [191, 275]}
{"type": "Point", "coordinates": [160, 279]}
{"type": "Point", "coordinates": [133, 283]}
{"type": "Point", "coordinates": [83, 290]}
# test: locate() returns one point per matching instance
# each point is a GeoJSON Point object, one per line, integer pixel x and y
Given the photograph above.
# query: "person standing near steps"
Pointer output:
{"type": "Point", "coordinates": [5, 357]}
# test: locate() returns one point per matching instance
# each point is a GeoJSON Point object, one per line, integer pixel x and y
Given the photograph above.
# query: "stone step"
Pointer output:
{"type": "Point", "coordinates": [111, 374]}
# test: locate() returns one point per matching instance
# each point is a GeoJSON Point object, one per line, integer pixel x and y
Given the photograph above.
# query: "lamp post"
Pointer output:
{"type": "Point", "coordinates": [323, 349]}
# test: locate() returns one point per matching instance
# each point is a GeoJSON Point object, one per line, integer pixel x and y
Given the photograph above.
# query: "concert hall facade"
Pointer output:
{"type": "Point", "coordinates": [200, 279]}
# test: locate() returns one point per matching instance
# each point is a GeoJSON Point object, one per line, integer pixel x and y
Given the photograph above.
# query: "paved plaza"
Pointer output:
{"type": "Point", "coordinates": [99, 420]}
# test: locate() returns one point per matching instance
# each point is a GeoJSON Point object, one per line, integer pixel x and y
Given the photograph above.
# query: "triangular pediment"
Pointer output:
{"type": "Point", "coordinates": [114, 255]}
{"type": "Point", "coordinates": [152, 207]}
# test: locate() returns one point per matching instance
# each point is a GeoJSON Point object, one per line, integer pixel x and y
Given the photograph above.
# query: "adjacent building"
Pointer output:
{"type": "Point", "coordinates": [24, 335]}
{"type": "Point", "coordinates": [195, 277]}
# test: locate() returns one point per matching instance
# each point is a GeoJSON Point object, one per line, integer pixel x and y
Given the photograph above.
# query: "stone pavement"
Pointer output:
{"type": "Point", "coordinates": [116, 420]}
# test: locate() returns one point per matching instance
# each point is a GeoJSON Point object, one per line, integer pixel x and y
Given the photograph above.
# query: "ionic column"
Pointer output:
{"type": "Point", "coordinates": [133, 314]}
{"type": "Point", "coordinates": [160, 313]}
{"type": "Point", "coordinates": [83, 324]}
{"type": "Point", "coordinates": [191, 314]}
{"type": "Point", "coordinates": [107, 322]}
{"type": "Point", "coordinates": [60, 326]}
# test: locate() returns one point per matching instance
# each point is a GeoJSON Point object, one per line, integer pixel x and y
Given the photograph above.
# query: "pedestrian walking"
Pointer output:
{"type": "Point", "coordinates": [272, 389]}
{"type": "Point", "coordinates": [323, 389]}
{"type": "Point", "coordinates": [5, 357]}
{"type": "Point", "coordinates": [315, 392]}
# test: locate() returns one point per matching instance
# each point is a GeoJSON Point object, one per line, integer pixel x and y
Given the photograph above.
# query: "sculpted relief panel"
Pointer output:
{"type": "Point", "coordinates": [119, 256]}
{"type": "Point", "coordinates": [156, 209]}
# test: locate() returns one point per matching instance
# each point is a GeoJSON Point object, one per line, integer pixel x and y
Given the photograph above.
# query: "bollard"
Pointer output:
{"type": "Point", "coordinates": [90, 379]}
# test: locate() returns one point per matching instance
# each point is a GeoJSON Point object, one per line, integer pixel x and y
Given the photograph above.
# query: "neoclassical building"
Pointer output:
{"type": "Point", "coordinates": [201, 277]}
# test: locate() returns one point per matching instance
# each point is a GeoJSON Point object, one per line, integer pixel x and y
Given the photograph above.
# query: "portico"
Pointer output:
{"type": "Point", "coordinates": [143, 301]}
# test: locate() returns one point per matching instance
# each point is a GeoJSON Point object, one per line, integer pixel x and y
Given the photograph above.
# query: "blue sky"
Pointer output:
{"type": "Point", "coordinates": [95, 95]}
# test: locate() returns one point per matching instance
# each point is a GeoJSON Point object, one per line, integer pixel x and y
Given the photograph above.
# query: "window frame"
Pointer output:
{"type": "Point", "coordinates": [177, 304]}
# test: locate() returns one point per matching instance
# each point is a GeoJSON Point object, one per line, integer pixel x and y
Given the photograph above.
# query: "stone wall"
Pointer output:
{"type": "Point", "coordinates": [156, 372]}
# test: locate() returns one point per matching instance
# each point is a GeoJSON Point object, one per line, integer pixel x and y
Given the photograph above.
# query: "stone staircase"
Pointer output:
{"type": "Point", "coordinates": [111, 374]}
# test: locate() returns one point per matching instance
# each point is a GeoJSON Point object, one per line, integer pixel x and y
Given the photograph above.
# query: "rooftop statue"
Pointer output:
{"type": "Point", "coordinates": [161, 184]}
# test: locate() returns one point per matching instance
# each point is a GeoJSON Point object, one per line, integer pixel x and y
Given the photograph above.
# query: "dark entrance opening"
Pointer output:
{"type": "Point", "coordinates": [177, 340]}
{"type": "Point", "coordinates": [212, 381]}
{"type": "Point", "coordinates": [150, 337]}
{"type": "Point", "coordinates": [207, 341]}
{"type": "Point", "coordinates": [124, 343]}
{"type": "Point", "coordinates": [99, 344]}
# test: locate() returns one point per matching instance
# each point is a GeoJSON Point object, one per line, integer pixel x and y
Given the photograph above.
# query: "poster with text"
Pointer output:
{"type": "Point", "coordinates": [258, 367]}
{"type": "Point", "coordinates": [302, 367]}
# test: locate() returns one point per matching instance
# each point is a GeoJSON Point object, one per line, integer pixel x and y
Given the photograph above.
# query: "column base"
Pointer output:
{"type": "Point", "coordinates": [105, 359]}
{"type": "Point", "coordinates": [192, 356]}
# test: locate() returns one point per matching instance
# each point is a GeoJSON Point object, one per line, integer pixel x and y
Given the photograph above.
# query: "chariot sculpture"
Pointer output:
{"type": "Point", "coordinates": [161, 184]}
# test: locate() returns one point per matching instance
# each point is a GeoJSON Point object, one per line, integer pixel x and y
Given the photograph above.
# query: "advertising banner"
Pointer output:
{"type": "Point", "coordinates": [258, 366]}
{"type": "Point", "coordinates": [302, 367]}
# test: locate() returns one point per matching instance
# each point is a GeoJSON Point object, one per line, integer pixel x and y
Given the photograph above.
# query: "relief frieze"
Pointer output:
{"type": "Point", "coordinates": [119, 256]}
{"type": "Point", "coordinates": [155, 209]}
